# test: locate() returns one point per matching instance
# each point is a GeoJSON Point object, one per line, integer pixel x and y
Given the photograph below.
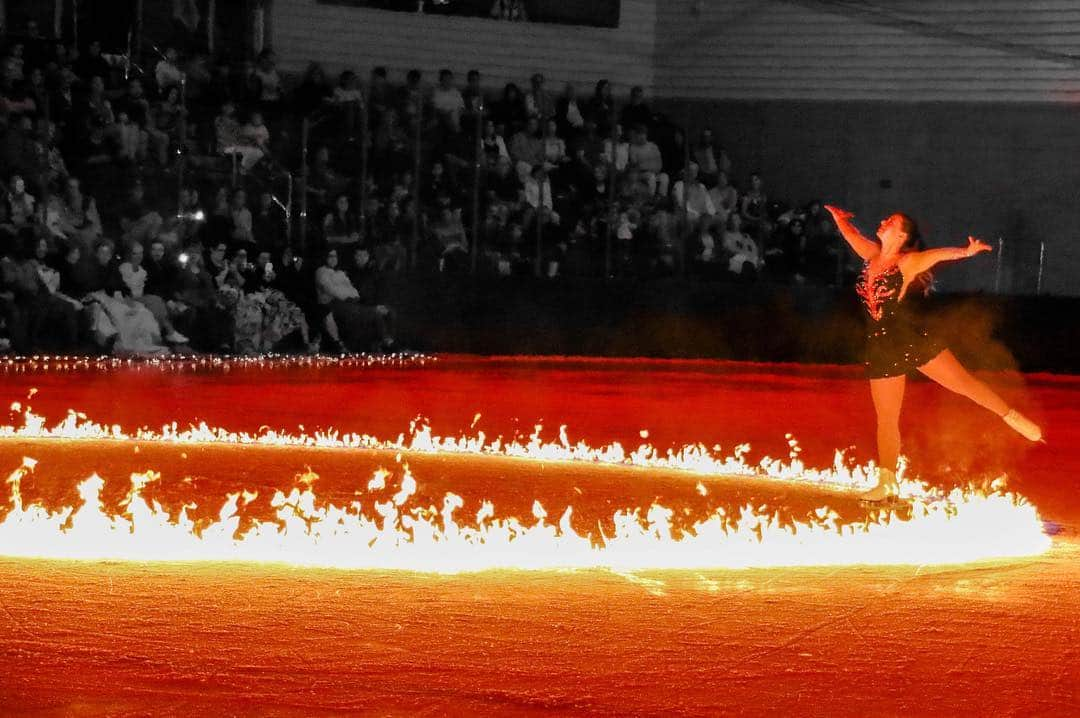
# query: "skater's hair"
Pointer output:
{"type": "Point", "coordinates": [911, 229]}
{"type": "Point", "coordinates": [915, 243]}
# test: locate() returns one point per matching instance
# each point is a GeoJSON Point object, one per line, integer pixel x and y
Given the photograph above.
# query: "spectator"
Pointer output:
{"type": "Point", "coordinates": [690, 195]}
{"type": "Point", "coordinates": [743, 253]}
{"type": "Point", "coordinates": [412, 100]}
{"type": "Point", "coordinates": [340, 227]}
{"type": "Point", "coordinates": [351, 319]}
{"type": "Point", "coordinates": [167, 73]}
{"type": "Point", "coordinates": [568, 114]}
{"type": "Point", "coordinates": [21, 205]}
{"type": "Point", "coordinates": [448, 102]}
{"type": "Point", "coordinates": [724, 197]}
{"type": "Point", "coordinates": [451, 245]}
{"type": "Point", "coordinates": [513, 10]}
{"type": "Point", "coordinates": [492, 144]}
{"type": "Point", "coordinates": [349, 100]}
{"type": "Point", "coordinates": [645, 158]}
{"type": "Point", "coordinates": [167, 117]}
{"type": "Point", "coordinates": [753, 208]}
{"type": "Point", "coordinates": [601, 109]}
{"type": "Point", "coordinates": [617, 150]}
{"type": "Point", "coordinates": [51, 317]}
{"type": "Point", "coordinates": [474, 101]}
{"type": "Point", "coordinates": [704, 154]}
{"type": "Point", "coordinates": [243, 234]}
{"type": "Point", "coordinates": [269, 225]}
{"type": "Point", "coordinates": [380, 96]}
{"type": "Point", "coordinates": [73, 217]}
{"type": "Point", "coordinates": [538, 101]}
{"type": "Point", "coordinates": [267, 81]}
{"type": "Point", "coordinates": [281, 317]}
{"type": "Point", "coordinates": [636, 113]}
{"type": "Point", "coordinates": [527, 149]}
{"type": "Point", "coordinates": [211, 325]}
{"type": "Point", "coordinates": [313, 92]}
{"type": "Point", "coordinates": [138, 220]}
{"type": "Point", "coordinates": [254, 135]}
{"type": "Point", "coordinates": [510, 110]}
{"type": "Point", "coordinates": [120, 325]}
{"type": "Point", "coordinates": [132, 283]}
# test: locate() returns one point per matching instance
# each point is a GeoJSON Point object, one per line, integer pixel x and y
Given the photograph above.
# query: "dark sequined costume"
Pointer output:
{"type": "Point", "coordinates": [896, 341]}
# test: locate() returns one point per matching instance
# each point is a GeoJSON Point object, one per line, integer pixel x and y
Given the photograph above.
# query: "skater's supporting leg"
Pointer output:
{"type": "Point", "coordinates": [888, 396]}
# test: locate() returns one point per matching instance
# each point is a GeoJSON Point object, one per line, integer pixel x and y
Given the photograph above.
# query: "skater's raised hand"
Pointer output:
{"type": "Point", "coordinates": [975, 246]}
{"type": "Point", "coordinates": [837, 213]}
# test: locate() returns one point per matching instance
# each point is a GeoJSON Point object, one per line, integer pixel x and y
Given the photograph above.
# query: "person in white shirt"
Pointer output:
{"type": "Point", "coordinates": [347, 319]}
{"type": "Point", "coordinates": [538, 197]}
{"type": "Point", "coordinates": [690, 194]}
{"type": "Point", "coordinates": [133, 276]}
{"type": "Point", "coordinates": [619, 151]}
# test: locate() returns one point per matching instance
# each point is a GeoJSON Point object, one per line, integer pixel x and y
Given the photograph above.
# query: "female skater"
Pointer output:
{"type": "Point", "coordinates": [897, 343]}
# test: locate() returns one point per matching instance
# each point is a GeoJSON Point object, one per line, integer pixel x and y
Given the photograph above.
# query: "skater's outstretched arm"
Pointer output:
{"type": "Point", "coordinates": [865, 248]}
{"type": "Point", "coordinates": [915, 263]}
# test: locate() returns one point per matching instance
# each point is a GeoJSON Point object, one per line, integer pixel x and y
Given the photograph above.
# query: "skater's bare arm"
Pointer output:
{"type": "Point", "coordinates": [915, 263]}
{"type": "Point", "coordinates": [865, 248]}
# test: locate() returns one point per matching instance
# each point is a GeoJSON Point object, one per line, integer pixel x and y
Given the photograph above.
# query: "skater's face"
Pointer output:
{"type": "Point", "coordinates": [891, 232]}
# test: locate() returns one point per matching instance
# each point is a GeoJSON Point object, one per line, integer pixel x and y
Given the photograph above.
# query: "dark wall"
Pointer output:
{"type": "Point", "coordinates": [687, 319]}
{"type": "Point", "coordinates": [993, 170]}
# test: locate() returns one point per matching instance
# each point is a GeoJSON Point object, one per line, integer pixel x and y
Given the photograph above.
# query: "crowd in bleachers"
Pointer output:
{"type": "Point", "coordinates": [200, 204]}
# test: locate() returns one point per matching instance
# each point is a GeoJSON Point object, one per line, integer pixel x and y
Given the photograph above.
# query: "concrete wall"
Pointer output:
{"type": "Point", "coordinates": [361, 38]}
{"type": "Point", "coordinates": [901, 50]}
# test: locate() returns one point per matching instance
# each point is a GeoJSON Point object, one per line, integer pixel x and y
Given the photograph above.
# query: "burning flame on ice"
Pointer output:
{"type": "Point", "coordinates": [695, 458]}
{"type": "Point", "coordinates": [390, 534]}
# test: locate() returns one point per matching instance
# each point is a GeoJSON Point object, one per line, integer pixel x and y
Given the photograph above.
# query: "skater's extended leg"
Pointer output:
{"type": "Point", "coordinates": [946, 370]}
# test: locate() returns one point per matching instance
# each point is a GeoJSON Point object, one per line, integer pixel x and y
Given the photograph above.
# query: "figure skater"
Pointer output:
{"type": "Point", "coordinates": [897, 343]}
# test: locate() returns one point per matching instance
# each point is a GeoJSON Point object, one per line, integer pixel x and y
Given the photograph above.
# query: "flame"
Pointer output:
{"type": "Point", "coordinates": [394, 535]}
{"type": "Point", "coordinates": [695, 458]}
{"type": "Point", "coordinates": [941, 528]}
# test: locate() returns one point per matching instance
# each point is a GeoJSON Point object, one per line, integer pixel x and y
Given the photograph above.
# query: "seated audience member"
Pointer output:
{"type": "Point", "coordinates": [538, 101]}
{"type": "Point", "coordinates": [167, 73]}
{"type": "Point", "coordinates": [231, 141]}
{"type": "Point", "coordinates": [119, 324]}
{"type": "Point", "coordinates": [527, 148]}
{"type": "Point", "coordinates": [341, 226]}
{"type": "Point", "coordinates": [269, 224]}
{"type": "Point", "coordinates": [167, 117]}
{"type": "Point", "coordinates": [160, 272]}
{"type": "Point", "coordinates": [703, 153]}
{"type": "Point", "coordinates": [724, 198]}
{"type": "Point", "coordinates": [617, 150]}
{"type": "Point", "coordinates": [690, 195]}
{"type": "Point", "coordinates": [132, 284]}
{"type": "Point", "coordinates": [569, 115]}
{"type": "Point", "coordinates": [21, 205]}
{"type": "Point", "coordinates": [352, 320]}
{"type": "Point", "coordinates": [243, 234]}
{"type": "Point", "coordinates": [254, 135]}
{"type": "Point", "coordinates": [73, 216]}
{"type": "Point", "coordinates": [645, 158]}
{"type": "Point", "coordinates": [139, 222]}
{"type": "Point", "coordinates": [448, 102]}
{"type": "Point", "coordinates": [475, 105]}
{"type": "Point", "coordinates": [510, 110]}
{"type": "Point", "coordinates": [451, 244]}
{"type": "Point", "coordinates": [348, 99]}
{"type": "Point", "coordinates": [266, 80]}
{"type": "Point", "coordinates": [281, 317]}
{"type": "Point", "coordinates": [754, 209]}
{"type": "Point", "coordinates": [314, 92]}
{"type": "Point", "coordinates": [139, 124]}
{"type": "Point", "coordinates": [210, 326]}
{"type": "Point", "coordinates": [600, 109]}
{"type": "Point", "coordinates": [50, 316]}
{"type": "Point", "coordinates": [743, 253]}
{"type": "Point", "coordinates": [492, 144]}
{"type": "Point", "coordinates": [391, 239]}
{"type": "Point", "coordinates": [513, 10]}
{"type": "Point", "coordinates": [636, 113]}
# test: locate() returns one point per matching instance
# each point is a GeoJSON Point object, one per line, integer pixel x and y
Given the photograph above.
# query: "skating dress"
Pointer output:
{"type": "Point", "coordinates": [897, 341]}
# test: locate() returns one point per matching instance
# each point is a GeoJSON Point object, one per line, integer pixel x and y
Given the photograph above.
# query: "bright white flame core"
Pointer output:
{"type": "Point", "coordinates": [964, 526]}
